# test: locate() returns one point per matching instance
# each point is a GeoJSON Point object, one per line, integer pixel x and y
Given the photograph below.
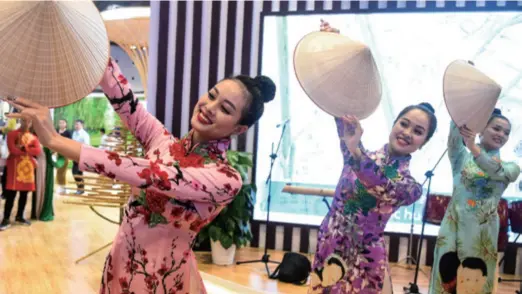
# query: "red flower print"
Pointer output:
{"type": "Point", "coordinates": [229, 172]}
{"type": "Point", "coordinates": [114, 156]}
{"type": "Point", "coordinates": [195, 185]}
{"type": "Point", "coordinates": [197, 225]}
{"type": "Point", "coordinates": [157, 176]}
{"type": "Point", "coordinates": [123, 283]}
{"type": "Point", "coordinates": [189, 216]}
{"type": "Point", "coordinates": [177, 225]}
{"type": "Point", "coordinates": [163, 269]}
{"type": "Point", "coordinates": [146, 174]}
{"type": "Point", "coordinates": [100, 168]}
{"type": "Point", "coordinates": [177, 211]}
{"type": "Point", "coordinates": [111, 175]}
{"type": "Point", "coordinates": [186, 255]}
{"type": "Point", "coordinates": [131, 267]}
{"type": "Point", "coordinates": [177, 151]}
{"type": "Point", "coordinates": [122, 79]}
{"type": "Point", "coordinates": [151, 281]}
{"type": "Point", "coordinates": [156, 201]}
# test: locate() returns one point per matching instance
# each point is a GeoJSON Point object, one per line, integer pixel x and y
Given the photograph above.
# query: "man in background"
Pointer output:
{"type": "Point", "coordinates": [61, 173]}
{"type": "Point", "coordinates": [79, 135]}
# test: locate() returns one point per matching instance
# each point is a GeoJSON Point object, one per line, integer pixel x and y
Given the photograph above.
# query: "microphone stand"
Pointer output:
{"type": "Point", "coordinates": [266, 257]}
{"type": "Point", "coordinates": [414, 288]}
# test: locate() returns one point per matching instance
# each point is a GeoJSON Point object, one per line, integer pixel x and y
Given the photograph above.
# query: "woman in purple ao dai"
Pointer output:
{"type": "Point", "coordinates": [350, 255]}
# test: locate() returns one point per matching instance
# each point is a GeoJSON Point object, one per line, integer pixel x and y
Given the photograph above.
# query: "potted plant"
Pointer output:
{"type": "Point", "coordinates": [230, 229]}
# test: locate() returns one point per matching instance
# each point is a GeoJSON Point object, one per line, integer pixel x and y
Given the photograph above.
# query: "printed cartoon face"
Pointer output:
{"type": "Point", "coordinates": [470, 280]}
{"type": "Point", "coordinates": [332, 273]}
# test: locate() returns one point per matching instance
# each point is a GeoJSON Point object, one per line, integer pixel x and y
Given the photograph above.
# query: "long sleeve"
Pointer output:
{"type": "Point", "coordinates": [340, 131]}
{"type": "Point", "coordinates": [11, 145]}
{"type": "Point", "coordinates": [34, 148]}
{"type": "Point", "coordinates": [213, 183]}
{"type": "Point", "coordinates": [496, 169]}
{"type": "Point", "coordinates": [144, 126]}
{"type": "Point", "coordinates": [456, 148]}
{"type": "Point", "coordinates": [386, 180]}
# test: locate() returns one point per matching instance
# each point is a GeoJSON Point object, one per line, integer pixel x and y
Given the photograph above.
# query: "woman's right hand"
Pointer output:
{"type": "Point", "coordinates": [352, 132]}
{"type": "Point", "coordinates": [325, 27]}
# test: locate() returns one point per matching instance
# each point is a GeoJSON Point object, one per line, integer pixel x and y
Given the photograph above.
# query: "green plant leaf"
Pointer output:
{"type": "Point", "coordinates": [244, 160]}
{"type": "Point", "coordinates": [226, 241]}
{"type": "Point", "coordinates": [156, 219]}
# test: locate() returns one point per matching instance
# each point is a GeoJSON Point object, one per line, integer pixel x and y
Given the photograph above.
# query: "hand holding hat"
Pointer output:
{"type": "Point", "coordinates": [337, 73]}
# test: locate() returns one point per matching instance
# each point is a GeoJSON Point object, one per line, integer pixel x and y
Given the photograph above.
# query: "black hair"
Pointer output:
{"type": "Point", "coordinates": [429, 110]}
{"type": "Point", "coordinates": [79, 121]}
{"type": "Point", "coordinates": [261, 90]}
{"type": "Point", "coordinates": [475, 263]}
{"type": "Point", "coordinates": [497, 113]}
{"type": "Point", "coordinates": [448, 265]}
{"type": "Point", "coordinates": [102, 130]}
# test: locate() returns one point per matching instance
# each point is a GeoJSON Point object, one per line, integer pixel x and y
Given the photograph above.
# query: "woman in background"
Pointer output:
{"type": "Point", "coordinates": [23, 147]}
{"type": "Point", "coordinates": [466, 251]}
{"type": "Point", "coordinates": [351, 255]}
{"type": "Point", "coordinates": [183, 183]}
{"type": "Point", "coordinates": [47, 213]}
{"type": "Point", "coordinates": [39, 192]}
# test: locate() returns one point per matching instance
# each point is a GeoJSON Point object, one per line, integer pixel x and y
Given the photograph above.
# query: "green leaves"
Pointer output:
{"type": "Point", "coordinates": [156, 218]}
{"type": "Point", "coordinates": [232, 225]}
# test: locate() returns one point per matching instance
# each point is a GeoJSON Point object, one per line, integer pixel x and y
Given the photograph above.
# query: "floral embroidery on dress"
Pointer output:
{"type": "Point", "coordinates": [368, 192]}
{"type": "Point", "coordinates": [183, 186]}
{"type": "Point", "coordinates": [477, 181]}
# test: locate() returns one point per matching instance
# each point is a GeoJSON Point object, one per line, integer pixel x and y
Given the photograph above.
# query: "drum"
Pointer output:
{"type": "Point", "coordinates": [436, 206]}
{"type": "Point", "coordinates": [515, 216]}
{"type": "Point", "coordinates": [503, 215]}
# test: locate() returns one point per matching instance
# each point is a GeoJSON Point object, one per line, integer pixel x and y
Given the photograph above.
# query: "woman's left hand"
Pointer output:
{"type": "Point", "coordinates": [38, 115]}
{"type": "Point", "coordinates": [468, 136]}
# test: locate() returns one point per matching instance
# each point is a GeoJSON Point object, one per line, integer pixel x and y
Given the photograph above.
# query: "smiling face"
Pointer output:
{"type": "Point", "coordinates": [218, 112]}
{"type": "Point", "coordinates": [409, 132]}
{"type": "Point", "coordinates": [496, 134]}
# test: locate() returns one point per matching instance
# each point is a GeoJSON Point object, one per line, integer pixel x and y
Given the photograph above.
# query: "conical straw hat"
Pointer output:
{"type": "Point", "coordinates": [52, 52]}
{"type": "Point", "coordinates": [338, 74]}
{"type": "Point", "coordinates": [469, 94]}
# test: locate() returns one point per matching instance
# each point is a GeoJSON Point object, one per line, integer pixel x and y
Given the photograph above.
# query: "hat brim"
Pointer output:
{"type": "Point", "coordinates": [338, 74]}
{"type": "Point", "coordinates": [470, 95]}
{"type": "Point", "coordinates": [53, 52]}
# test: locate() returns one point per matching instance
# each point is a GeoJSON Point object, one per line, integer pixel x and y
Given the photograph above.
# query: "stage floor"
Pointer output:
{"type": "Point", "coordinates": [41, 259]}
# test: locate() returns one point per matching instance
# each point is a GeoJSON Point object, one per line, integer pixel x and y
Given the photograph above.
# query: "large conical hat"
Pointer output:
{"type": "Point", "coordinates": [338, 74]}
{"type": "Point", "coordinates": [51, 52]}
{"type": "Point", "coordinates": [469, 94]}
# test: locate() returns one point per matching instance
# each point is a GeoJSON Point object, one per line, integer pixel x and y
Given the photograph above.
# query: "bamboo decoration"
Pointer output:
{"type": "Point", "coordinates": [101, 191]}
{"type": "Point", "coordinates": [129, 29]}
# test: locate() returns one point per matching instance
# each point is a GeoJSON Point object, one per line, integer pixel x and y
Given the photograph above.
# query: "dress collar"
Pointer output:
{"type": "Point", "coordinates": [219, 146]}
{"type": "Point", "coordinates": [386, 151]}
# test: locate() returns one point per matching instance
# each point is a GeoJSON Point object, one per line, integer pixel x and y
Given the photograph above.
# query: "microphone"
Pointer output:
{"type": "Point", "coordinates": [283, 123]}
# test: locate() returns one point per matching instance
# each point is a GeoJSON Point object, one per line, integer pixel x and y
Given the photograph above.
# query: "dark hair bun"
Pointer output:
{"type": "Point", "coordinates": [266, 87]}
{"type": "Point", "coordinates": [427, 106]}
{"type": "Point", "coordinates": [497, 111]}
